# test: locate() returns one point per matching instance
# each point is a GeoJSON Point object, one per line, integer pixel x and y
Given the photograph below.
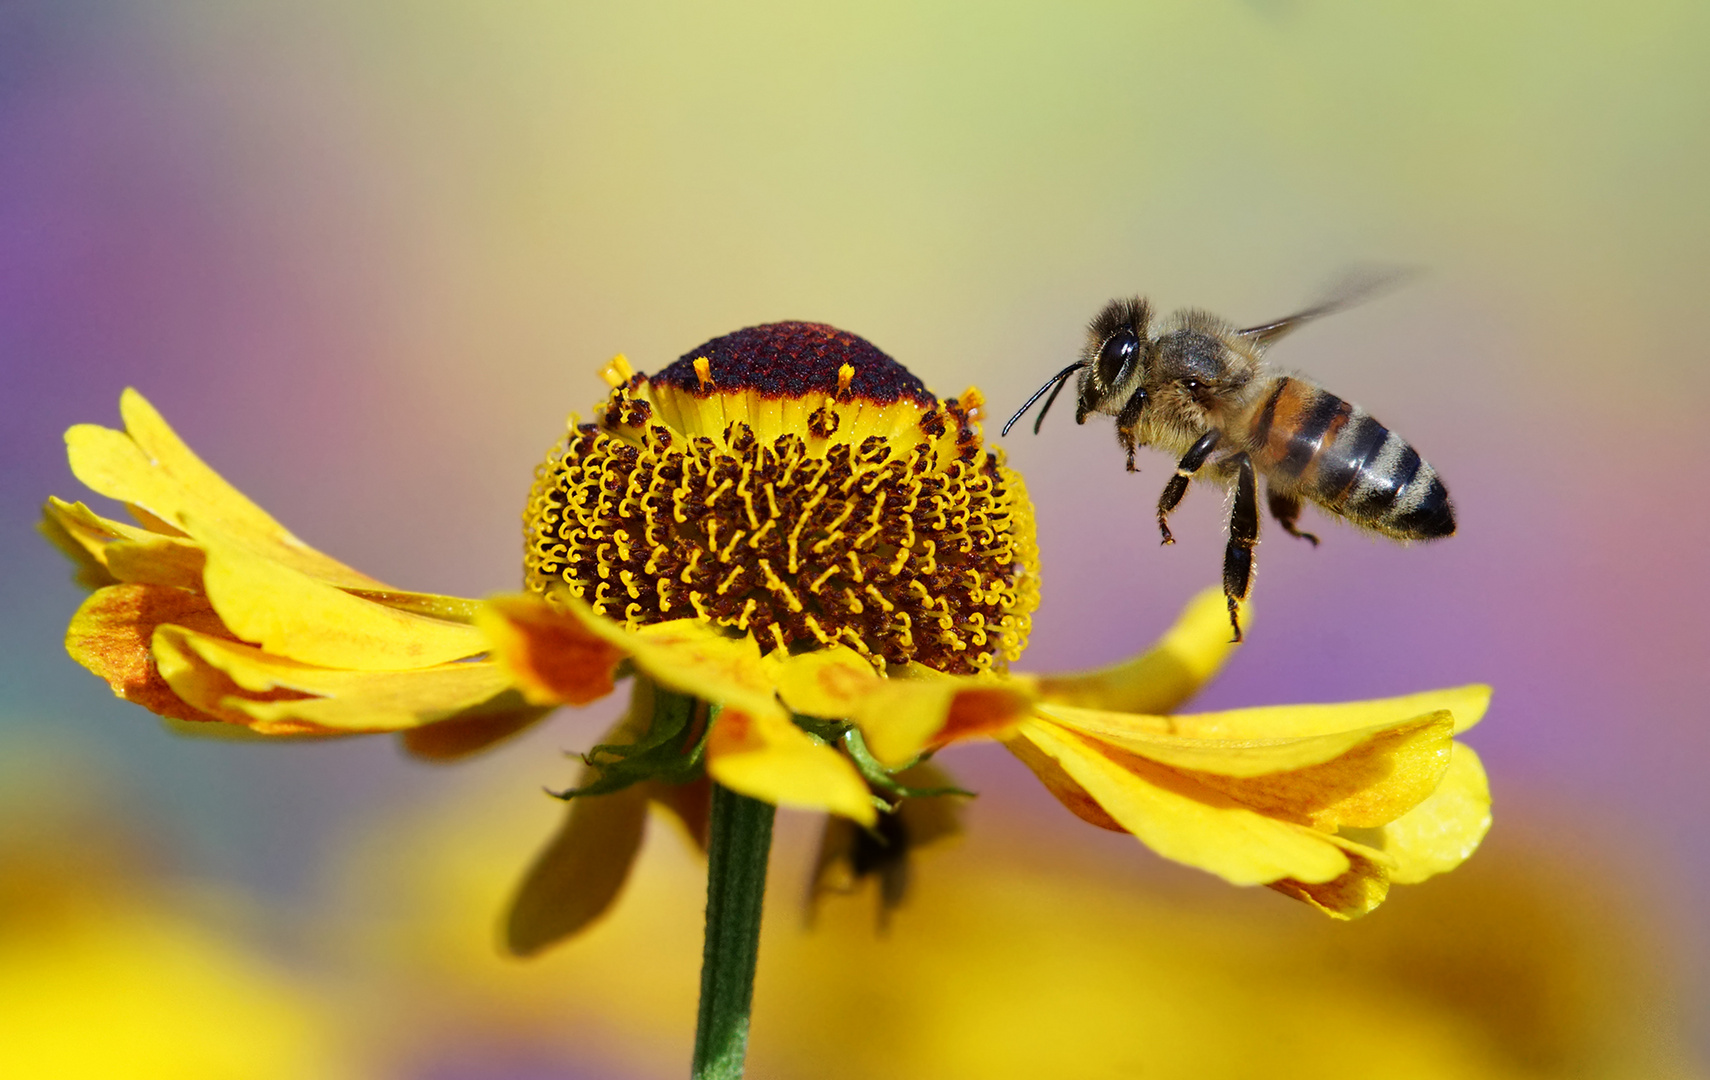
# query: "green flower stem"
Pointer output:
{"type": "Point", "coordinates": [738, 844]}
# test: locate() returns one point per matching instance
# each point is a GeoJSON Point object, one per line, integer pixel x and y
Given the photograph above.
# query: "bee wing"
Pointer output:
{"type": "Point", "coordinates": [1353, 287]}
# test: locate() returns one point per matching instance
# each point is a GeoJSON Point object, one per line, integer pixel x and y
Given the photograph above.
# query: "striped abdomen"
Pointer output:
{"type": "Point", "coordinates": [1309, 442]}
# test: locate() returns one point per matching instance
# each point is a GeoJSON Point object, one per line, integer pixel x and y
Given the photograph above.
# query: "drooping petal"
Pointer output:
{"type": "Point", "coordinates": [1184, 820]}
{"type": "Point", "coordinates": [1443, 831]}
{"type": "Point", "coordinates": [148, 466]}
{"type": "Point", "coordinates": [580, 872]}
{"type": "Point", "coordinates": [269, 692]}
{"type": "Point", "coordinates": [553, 656]}
{"type": "Point", "coordinates": [689, 805]}
{"type": "Point", "coordinates": [111, 632]}
{"type": "Point", "coordinates": [915, 710]}
{"type": "Point", "coordinates": [768, 757]}
{"type": "Point", "coordinates": [1160, 680]}
{"type": "Point", "coordinates": [290, 614]}
{"type": "Point", "coordinates": [458, 738]}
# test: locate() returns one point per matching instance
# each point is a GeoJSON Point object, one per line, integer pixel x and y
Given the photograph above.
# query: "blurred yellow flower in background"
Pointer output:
{"type": "Point", "coordinates": [818, 574]}
{"type": "Point", "coordinates": [108, 972]}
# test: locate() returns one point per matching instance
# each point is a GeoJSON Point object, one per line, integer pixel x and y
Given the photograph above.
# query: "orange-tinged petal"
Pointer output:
{"type": "Point", "coordinates": [553, 656]}
{"type": "Point", "coordinates": [900, 716]}
{"type": "Point", "coordinates": [562, 653]}
{"type": "Point", "coordinates": [110, 636]}
{"type": "Point", "coordinates": [290, 614]}
{"type": "Point", "coordinates": [336, 699]}
{"type": "Point", "coordinates": [576, 878]}
{"type": "Point", "coordinates": [1466, 703]}
{"type": "Point", "coordinates": [1360, 778]}
{"type": "Point", "coordinates": [148, 466]}
{"type": "Point", "coordinates": [830, 683]}
{"type": "Point", "coordinates": [1374, 783]}
{"type": "Point", "coordinates": [767, 757]}
{"type": "Point", "coordinates": [1183, 820]}
{"type": "Point", "coordinates": [1158, 681]}
{"type": "Point", "coordinates": [1443, 831]}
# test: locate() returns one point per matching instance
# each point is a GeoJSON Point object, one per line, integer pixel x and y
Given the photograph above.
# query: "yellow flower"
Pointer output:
{"type": "Point", "coordinates": [818, 574]}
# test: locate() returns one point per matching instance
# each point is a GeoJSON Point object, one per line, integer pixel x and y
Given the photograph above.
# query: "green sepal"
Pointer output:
{"type": "Point", "coordinates": [660, 753]}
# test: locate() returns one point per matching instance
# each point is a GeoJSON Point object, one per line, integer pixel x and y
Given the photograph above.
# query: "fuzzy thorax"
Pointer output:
{"type": "Point", "coordinates": [793, 483]}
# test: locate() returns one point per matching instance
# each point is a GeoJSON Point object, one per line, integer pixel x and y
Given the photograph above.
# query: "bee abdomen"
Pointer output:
{"type": "Point", "coordinates": [1334, 453]}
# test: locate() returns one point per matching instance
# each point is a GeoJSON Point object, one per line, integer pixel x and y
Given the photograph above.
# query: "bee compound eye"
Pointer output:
{"type": "Point", "coordinates": [1116, 356]}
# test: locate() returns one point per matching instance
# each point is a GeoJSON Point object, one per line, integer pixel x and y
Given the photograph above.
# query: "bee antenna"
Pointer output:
{"type": "Point", "coordinates": [1054, 386]}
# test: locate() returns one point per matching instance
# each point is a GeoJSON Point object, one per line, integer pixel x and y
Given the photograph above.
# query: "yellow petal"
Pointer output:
{"type": "Point", "coordinates": [767, 757]}
{"type": "Point", "coordinates": [111, 633]}
{"type": "Point", "coordinates": [1466, 703]}
{"type": "Point", "coordinates": [290, 614]}
{"type": "Point", "coordinates": [1158, 681]}
{"type": "Point", "coordinates": [693, 658]}
{"type": "Point", "coordinates": [1376, 782]}
{"type": "Point", "coordinates": [553, 656]}
{"type": "Point", "coordinates": [1060, 784]}
{"type": "Point", "coordinates": [91, 570]}
{"type": "Point", "coordinates": [438, 605]}
{"type": "Point", "coordinates": [150, 467]}
{"type": "Point", "coordinates": [1443, 831]}
{"type": "Point", "coordinates": [830, 683]}
{"type": "Point", "coordinates": [328, 699]}
{"type": "Point", "coordinates": [1360, 778]}
{"type": "Point", "coordinates": [126, 553]}
{"type": "Point", "coordinates": [1347, 896]}
{"type": "Point", "coordinates": [900, 716]}
{"type": "Point", "coordinates": [576, 878]}
{"type": "Point", "coordinates": [1183, 820]}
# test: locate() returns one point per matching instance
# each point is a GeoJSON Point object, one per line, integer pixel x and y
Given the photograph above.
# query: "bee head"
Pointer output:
{"type": "Point", "coordinates": [1115, 350]}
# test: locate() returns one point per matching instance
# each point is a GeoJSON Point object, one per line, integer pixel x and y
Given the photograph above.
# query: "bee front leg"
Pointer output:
{"type": "Point", "coordinates": [1286, 509]}
{"type": "Point", "coordinates": [1177, 487]}
{"type": "Point", "coordinates": [1243, 534]}
{"type": "Point", "coordinates": [1128, 424]}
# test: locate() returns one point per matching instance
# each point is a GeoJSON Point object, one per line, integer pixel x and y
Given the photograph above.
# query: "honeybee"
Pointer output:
{"type": "Point", "coordinates": [1200, 389]}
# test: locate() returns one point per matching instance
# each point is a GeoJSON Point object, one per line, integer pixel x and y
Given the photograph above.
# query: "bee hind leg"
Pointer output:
{"type": "Point", "coordinates": [1243, 534]}
{"type": "Point", "coordinates": [1286, 509]}
{"type": "Point", "coordinates": [1177, 487]}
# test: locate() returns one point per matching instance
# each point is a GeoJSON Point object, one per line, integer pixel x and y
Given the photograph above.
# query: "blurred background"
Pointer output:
{"type": "Point", "coordinates": [366, 257]}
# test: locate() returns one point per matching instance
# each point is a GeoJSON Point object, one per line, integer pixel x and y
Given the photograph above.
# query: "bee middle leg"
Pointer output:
{"type": "Point", "coordinates": [1243, 534]}
{"type": "Point", "coordinates": [1177, 487]}
{"type": "Point", "coordinates": [1286, 509]}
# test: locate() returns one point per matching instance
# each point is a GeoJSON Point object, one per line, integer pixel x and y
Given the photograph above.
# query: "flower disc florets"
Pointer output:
{"type": "Point", "coordinates": [793, 483]}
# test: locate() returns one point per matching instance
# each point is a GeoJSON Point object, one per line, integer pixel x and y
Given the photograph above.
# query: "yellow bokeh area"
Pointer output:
{"type": "Point", "coordinates": [1012, 958]}
{"type": "Point", "coordinates": [111, 968]}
